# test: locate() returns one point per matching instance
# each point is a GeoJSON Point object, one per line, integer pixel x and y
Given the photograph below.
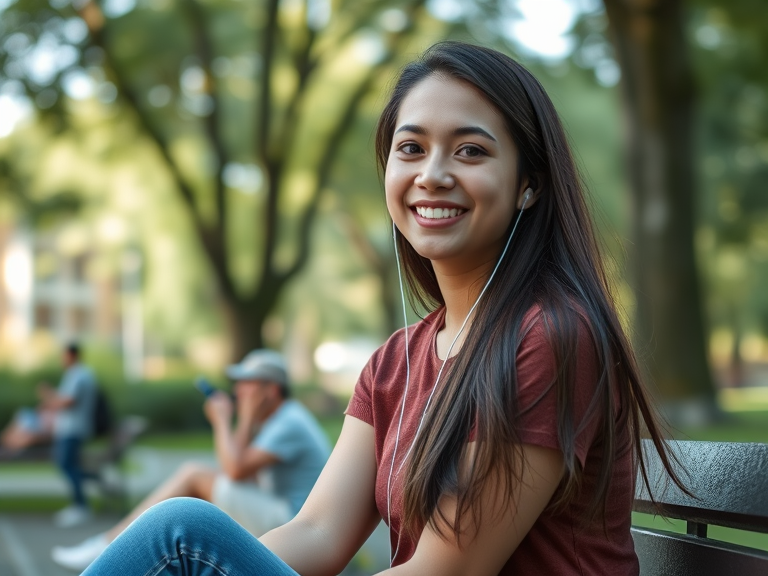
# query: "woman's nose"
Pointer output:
{"type": "Point", "coordinates": [435, 174]}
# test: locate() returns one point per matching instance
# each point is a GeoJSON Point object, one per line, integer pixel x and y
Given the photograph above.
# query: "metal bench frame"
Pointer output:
{"type": "Point", "coordinates": [730, 482]}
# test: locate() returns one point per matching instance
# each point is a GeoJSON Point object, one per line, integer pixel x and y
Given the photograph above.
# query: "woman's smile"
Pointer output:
{"type": "Point", "coordinates": [431, 214]}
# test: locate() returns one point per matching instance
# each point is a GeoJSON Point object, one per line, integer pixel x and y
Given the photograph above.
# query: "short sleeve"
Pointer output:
{"type": "Point", "coordinates": [361, 404]}
{"type": "Point", "coordinates": [281, 437]}
{"type": "Point", "coordinates": [73, 384]}
{"type": "Point", "coordinates": [537, 390]}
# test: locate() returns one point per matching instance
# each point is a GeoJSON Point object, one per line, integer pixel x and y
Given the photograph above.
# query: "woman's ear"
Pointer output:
{"type": "Point", "coordinates": [527, 197]}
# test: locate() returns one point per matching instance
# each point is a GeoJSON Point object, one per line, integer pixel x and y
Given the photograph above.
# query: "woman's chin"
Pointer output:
{"type": "Point", "coordinates": [435, 253]}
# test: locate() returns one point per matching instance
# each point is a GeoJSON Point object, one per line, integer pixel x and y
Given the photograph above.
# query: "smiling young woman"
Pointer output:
{"type": "Point", "coordinates": [500, 434]}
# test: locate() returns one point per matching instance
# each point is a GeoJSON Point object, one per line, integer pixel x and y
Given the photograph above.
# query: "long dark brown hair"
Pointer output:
{"type": "Point", "coordinates": [554, 263]}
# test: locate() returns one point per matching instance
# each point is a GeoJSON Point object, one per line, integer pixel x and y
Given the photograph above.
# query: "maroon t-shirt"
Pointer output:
{"type": "Point", "coordinates": [558, 544]}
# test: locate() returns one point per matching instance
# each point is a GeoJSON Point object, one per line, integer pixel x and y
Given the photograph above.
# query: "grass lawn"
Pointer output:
{"type": "Point", "coordinates": [744, 426]}
{"type": "Point", "coordinates": [197, 440]}
{"type": "Point", "coordinates": [741, 537]}
{"type": "Point", "coordinates": [202, 440]}
{"type": "Point", "coordinates": [27, 468]}
{"type": "Point", "coordinates": [51, 504]}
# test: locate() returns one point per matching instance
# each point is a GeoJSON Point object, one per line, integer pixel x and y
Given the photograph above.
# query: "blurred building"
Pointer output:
{"type": "Point", "coordinates": [47, 293]}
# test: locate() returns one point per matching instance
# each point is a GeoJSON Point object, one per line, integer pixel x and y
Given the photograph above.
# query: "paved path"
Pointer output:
{"type": "Point", "coordinates": [26, 539]}
{"type": "Point", "coordinates": [148, 468]}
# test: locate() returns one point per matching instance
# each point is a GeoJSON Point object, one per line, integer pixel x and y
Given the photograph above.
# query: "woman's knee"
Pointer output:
{"type": "Point", "coordinates": [178, 530]}
{"type": "Point", "coordinates": [190, 525]}
{"type": "Point", "coordinates": [182, 509]}
{"type": "Point", "coordinates": [177, 515]}
{"type": "Point", "coordinates": [193, 536]}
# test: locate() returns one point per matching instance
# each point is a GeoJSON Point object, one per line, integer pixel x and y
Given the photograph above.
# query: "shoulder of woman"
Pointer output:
{"type": "Point", "coordinates": [541, 325]}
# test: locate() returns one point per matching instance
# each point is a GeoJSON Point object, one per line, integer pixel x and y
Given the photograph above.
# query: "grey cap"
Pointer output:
{"type": "Point", "coordinates": [260, 364]}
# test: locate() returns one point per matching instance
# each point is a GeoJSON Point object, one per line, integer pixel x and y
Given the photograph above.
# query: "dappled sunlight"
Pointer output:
{"type": "Point", "coordinates": [136, 131]}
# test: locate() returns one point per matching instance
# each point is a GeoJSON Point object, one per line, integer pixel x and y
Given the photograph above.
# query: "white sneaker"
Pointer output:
{"type": "Point", "coordinates": [70, 516]}
{"type": "Point", "coordinates": [79, 557]}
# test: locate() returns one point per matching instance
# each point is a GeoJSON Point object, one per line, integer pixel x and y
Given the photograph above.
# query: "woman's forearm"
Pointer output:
{"type": "Point", "coordinates": [306, 548]}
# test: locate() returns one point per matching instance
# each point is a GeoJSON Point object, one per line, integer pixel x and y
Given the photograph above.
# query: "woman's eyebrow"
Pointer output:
{"type": "Point", "coordinates": [415, 128]}
{"type": "Point", "coordinates": [462, 131]}
{"type": "Point", "coordinates": [473, 130]}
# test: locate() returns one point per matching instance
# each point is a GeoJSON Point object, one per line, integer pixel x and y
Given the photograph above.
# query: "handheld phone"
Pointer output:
{"type": "Point", "coordinates": [205, 387]}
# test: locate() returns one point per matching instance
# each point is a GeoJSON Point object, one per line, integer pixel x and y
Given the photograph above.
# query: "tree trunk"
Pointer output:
{"type": "Point", "coordinates": [245, 314]}
{"type": "Point", "coordinates": [659, 96]}
{"type": "Point", "coordinates": [382, 264]}
{"type": "Point", "coordinates": [736, 365]}
{"type": "Point", "coordinates": [242, 328]}
{"type": "Point", "coordinates": [245, 318]}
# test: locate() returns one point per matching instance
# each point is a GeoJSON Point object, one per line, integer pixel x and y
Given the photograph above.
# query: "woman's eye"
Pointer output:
{"type": "Point", "coordinates": [410, 148]}
{"type": "Point", "coordinates": [471, 151]}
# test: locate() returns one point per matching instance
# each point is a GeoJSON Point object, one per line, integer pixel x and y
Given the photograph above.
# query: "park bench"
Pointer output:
{"type": "Point", "coordinates": [730, 481]}
{"type": "Point", "coordinates": [105, 465]}
{"type": "Point", "coordinates": [102, 463]}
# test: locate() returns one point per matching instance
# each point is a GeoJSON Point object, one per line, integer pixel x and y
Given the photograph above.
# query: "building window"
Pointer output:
{"type": "Point", "coordinates": [79, 319]}
{"type": "Point", "coordinates": [80, 268]}
{"type": "Point", "coordinates": [43, 316]}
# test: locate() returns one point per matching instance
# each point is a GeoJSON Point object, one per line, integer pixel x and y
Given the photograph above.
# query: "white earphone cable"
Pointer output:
{"type": "Point", "coordinates": [393, 555]}
{"type": "Point", "coordinates": [402, 405]}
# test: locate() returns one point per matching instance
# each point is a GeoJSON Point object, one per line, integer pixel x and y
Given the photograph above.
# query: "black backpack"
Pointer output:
{"type": "Point", "coordinates": [102, 414]}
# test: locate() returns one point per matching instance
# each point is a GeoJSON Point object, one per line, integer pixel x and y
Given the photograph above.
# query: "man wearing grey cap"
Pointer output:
{"type": "Point", "coordinates": [274, 438]}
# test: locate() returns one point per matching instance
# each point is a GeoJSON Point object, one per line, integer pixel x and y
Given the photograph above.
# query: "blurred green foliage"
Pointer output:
{"type": "Point", "coordinates": [101, 149]}
{"type": "Point", "coordinates": [732, 50]}
{"type": "Point", "coordinates": [169, 405]}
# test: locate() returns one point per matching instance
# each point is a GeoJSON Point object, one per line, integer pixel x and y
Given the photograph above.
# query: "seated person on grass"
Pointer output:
{"type": "Point", "coordinates": [273, 434]}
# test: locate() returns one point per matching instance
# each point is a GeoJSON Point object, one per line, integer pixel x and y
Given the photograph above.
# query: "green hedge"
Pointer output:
{"type": "Point", "coordinates": [19, 390]}
{"type": "Point", "coordinates": [168, 405]}
{"type": "Point", "coordinates": [173, 405]}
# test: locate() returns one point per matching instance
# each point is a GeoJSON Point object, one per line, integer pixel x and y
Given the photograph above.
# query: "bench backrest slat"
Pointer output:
{"type": "Point", "coordinates": [729, 479]}
{"type": "Point", "coordinates": [730, 482]}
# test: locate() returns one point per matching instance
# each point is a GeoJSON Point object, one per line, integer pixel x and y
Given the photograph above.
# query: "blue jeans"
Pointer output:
{"type": "Point", "coordinates": [66, 453]}
{"type": "Point", "coordinates": [185, 536]}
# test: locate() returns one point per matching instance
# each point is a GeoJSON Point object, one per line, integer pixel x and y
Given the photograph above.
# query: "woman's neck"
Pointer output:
{"type": "Point", "coordinates": [460, 291]}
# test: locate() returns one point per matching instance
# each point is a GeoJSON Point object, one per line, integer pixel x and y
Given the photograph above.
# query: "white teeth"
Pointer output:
{"type": "Point", "coordinates": [438, 213]}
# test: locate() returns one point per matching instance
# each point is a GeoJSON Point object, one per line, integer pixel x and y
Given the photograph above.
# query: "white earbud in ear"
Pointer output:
{"type": "Point", "coordinates": [527, 196]}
